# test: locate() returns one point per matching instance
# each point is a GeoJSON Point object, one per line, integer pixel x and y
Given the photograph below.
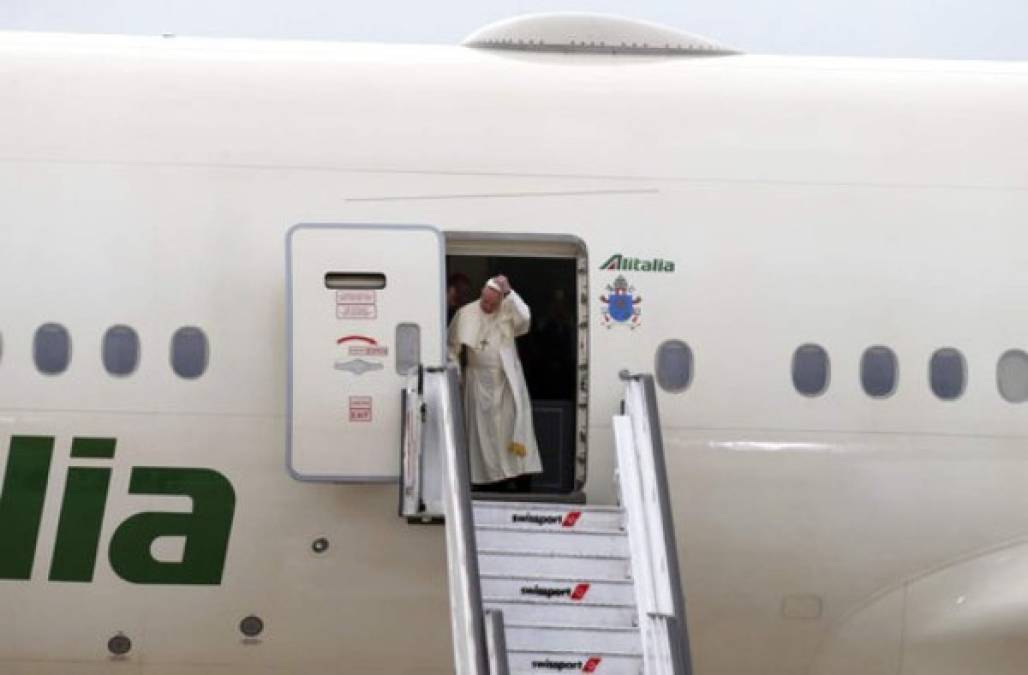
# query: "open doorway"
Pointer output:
{"type": "Point", "coordinates": [550, 276]}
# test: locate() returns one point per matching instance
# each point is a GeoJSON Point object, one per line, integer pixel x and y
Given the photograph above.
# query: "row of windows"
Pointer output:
{"type": "Point", "coordinates": [811, 367]}
{"type": "Point", "coordinates": [879, 371]}
{"type": "Point", "coordinates": [120, 350]}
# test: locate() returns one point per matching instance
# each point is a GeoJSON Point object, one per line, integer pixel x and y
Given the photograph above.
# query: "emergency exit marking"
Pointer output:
{"type": "Point", "coordinates": [360, 408]}
{"type": "Point", "coordinates": [356, 305]}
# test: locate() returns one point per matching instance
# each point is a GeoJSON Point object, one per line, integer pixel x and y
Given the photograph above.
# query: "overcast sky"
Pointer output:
{"type": "Point", "coordinates": [961, 29]}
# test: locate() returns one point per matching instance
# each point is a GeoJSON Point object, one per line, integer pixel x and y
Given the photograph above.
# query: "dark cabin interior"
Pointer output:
{"type": "Point", "coordinates": [549, 352]}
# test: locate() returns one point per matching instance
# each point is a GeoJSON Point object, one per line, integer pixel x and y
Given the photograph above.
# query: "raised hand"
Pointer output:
{"type": "Point", "coordinates": [504, 284]}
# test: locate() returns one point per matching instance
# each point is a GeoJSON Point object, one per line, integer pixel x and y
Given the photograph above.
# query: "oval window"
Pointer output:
{"type": "Point", "coordinates": [120, 350]}
{"type": "Point", "coordinates": [947, 373]}
{"type": "Point", "coordinates": [674, 366]}
{"type": "Point", "coordinates": [810, 370]}
{"type": "Point", "coordinates": [189, 352]}
{"type": "Point", "coordinates": [1012, 376]}
{"type": "Point", "coordinates": [51, 348]}
{"type": "Point", "coordinates": [878, 371]}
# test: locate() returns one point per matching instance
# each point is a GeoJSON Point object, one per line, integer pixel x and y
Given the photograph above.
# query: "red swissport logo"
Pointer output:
{"type": "Point", "coordinates": [579, 592]}
{"type": "Point", "coordinates": [590, 666]}
{"type": "Point", "coordinates": [571, 518]}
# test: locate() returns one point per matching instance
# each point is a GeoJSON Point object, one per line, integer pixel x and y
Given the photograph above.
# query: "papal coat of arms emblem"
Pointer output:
{"type": "Point", "coordinates": [621, 305]}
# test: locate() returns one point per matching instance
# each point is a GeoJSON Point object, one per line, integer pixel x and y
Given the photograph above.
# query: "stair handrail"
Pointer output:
{"type": "Point", "coordinates": [645, 493]}
{"type": "Point", "coordinates": [496, 640]}
{"type": "Point", "coordinates": [470, 648]}
{"type": "Point", "coordinates": [412, 451]}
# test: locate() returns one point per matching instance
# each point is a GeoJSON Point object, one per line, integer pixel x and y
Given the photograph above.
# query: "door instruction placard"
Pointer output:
{"type": "Point", "coordinates": [360, 408]}
{"type": "Point", "coordinates": [356, 305]}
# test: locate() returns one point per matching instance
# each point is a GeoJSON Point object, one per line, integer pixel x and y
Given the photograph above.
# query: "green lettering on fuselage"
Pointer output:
{"type": "Point", "coordinates": [21, 503]}
{"type": "Point", "coordinates": [206, 528]}
{"type": "Point", "coordinates": [82, 512]}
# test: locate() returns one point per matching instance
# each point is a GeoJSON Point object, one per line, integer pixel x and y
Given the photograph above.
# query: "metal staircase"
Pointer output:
{"type": "Point", "coordinates": [539, 587]}
{"type": "Point", "coordinates": [562, 578]}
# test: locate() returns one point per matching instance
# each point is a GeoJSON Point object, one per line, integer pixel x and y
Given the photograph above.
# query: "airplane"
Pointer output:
{"type": "Point", "coordinates": [223, 260]}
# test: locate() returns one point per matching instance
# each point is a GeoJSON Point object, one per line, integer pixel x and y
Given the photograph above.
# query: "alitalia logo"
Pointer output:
{"type": "Point", "coordinates": [205, 529]}
{"type": "Point", "coordinates": [623, 263]}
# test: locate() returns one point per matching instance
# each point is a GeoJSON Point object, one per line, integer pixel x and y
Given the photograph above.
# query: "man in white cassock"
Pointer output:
{"type": "Point", "coordinates": [497, 410]}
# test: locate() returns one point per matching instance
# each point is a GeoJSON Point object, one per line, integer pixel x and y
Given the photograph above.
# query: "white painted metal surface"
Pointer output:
{"type": "Point", "coordinates": [588, 33]}
{"type": "Point", "coordinates": [578, 607]}
{"type": "Point", "coordinates": [844, 201]}
{"type": "Point", "coordinates": [549, 517]}
{"type": "Point", "coordinates": [466, 611]}
{"type": "Point", "coordinates": [496, 643]}
{"type": "Point", "coordinates": [575, 542]}
{"type": "Point", "coordinates": [422, 454]}
{"type": "Point", "coordinates": [601, 592]}
{"type": "Point", "coordinates": [642, 488]}
{"type": "Point", "coordinates": [507, 563]}
{"type": "Point", "coordinates": [566, 612]}
{"type": "Point", "coordinates": [344, 384]}
{"type": "Point", "coordinates": [412, 448]}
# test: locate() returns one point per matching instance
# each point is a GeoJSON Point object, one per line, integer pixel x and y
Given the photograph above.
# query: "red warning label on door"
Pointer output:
{"type": "Point", "coordinates": [360, 408]}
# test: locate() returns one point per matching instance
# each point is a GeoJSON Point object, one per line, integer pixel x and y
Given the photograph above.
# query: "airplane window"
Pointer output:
{"type": "Point", "coordinates": [810, 369]}
{"type": "Point", "coordinates": [878, 371]}
{"type": "Point", "coordinates": [674, 366]}
{"type": "Point", "coordinates": [947, 372]}
{"type": "Point", "coordinates": [120, 350]}
{"type": "Point", "coordinates": [51, 348]}
{"type": "Point", "coordinates": [189, 352]}
{"type": "Point", "coordinates": [1012, 376]}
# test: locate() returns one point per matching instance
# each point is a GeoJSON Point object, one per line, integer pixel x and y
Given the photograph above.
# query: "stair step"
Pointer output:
{"type": "Point", "coordinates": [523, 662]}
{"type": "Point", "coordinates": [524, 563]}
{"type": "Point", "coordinates": [516, 610]}
{"type": "Point", "coordinates": [576, 542]}
{"type": "Point", "coordinates": [549, 516]}
{"type": "Point", "coordinates": [573, 638]}
{"type": "Point", "coordinates": [559, 590]}
{"type": "Point", "coordinates": [558, 498]}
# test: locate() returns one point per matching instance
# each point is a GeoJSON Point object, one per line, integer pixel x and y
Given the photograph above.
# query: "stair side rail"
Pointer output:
{"type": "Point", "coordinates": [445, 416]}
{"type": "Point", "coordinates": [412, 448]}
{"type": "Point", "coordinates": [644, 492]}
{"type": "Point", "coordinates": [496, 639]}
{"type": "Point", "coordinates": [421, 452]}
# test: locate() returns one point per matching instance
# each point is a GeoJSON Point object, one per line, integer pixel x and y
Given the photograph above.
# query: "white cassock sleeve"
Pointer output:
{"type": "Point", "coordinates": [517, 312]}
{"type": "Point", "coordinates": [453, 343]}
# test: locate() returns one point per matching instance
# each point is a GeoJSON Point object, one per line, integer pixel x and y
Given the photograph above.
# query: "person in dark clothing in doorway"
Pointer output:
{"type": "Point", "coordinates": [458, 293]}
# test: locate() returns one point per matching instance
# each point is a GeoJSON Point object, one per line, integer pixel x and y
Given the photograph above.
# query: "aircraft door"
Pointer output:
{"type": "Point", "coordinates": [365, 305]}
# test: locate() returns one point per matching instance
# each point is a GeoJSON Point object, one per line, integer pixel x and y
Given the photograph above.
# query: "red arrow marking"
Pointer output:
{"type": "Point", "coordinates": [356, 338]}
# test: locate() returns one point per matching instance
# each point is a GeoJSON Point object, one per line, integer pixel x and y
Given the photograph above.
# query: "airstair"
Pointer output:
{"type": "Point", "coordinates": [550, 587]}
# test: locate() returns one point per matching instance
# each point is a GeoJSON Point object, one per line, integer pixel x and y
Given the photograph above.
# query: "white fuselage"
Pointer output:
{"type": "Point", "coordinates": [847, 203]}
